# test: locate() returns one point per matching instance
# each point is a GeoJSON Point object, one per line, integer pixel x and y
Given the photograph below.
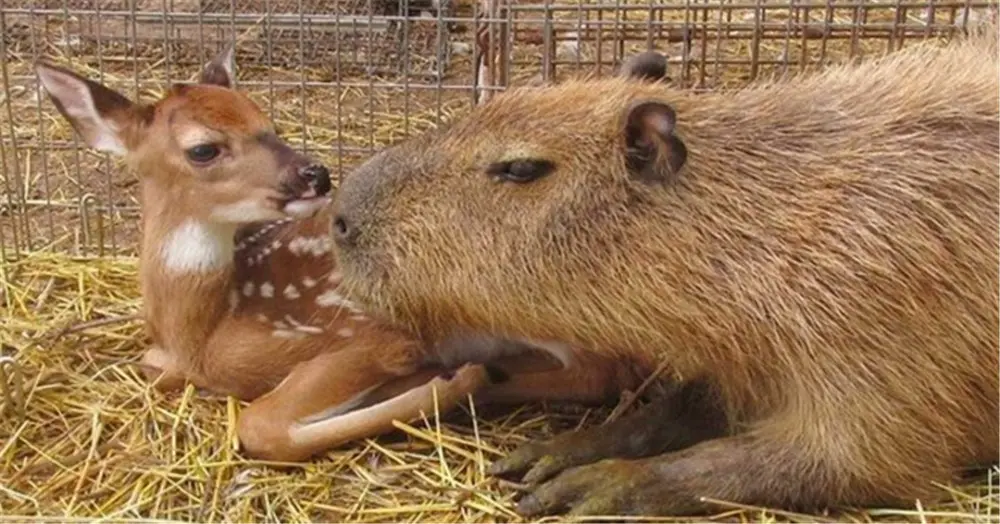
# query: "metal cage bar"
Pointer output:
{"type": "Point", "coordinates": [347, 77]}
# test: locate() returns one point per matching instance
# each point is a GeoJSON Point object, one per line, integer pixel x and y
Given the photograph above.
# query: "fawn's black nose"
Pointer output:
{"type": "Point", "coordinates": [318, 177]}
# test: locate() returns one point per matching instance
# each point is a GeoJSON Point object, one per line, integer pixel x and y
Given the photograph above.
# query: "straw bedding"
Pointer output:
{"type": "Point", "coordinates": [97, 442]}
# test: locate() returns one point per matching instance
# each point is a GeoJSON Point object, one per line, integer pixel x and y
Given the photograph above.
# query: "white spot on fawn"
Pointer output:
{"type": "Point", "coordinates": [331, 298]}
{"type": "Point", "coordinates": [290, 292]}
{"type": "Point", "coordinates": [335, 277]}
{"type": "Point", "coordinates": [194, 247]}
{"type": "Point", "coordinates": [308, 282]}
{"type": "Point", "coordinates": [266, 290]}
{"type": "Point", "coordinates": [316, 246]}
{"type": "Point", "coordinates": [345, 332]}
{"type": "Point", "coordinates": [302, 327]}
{"type": "Point", "coordinates": [280, 325]}
{"type": "Point", "coordinates": [284, 333]}
{"type": "Point", "coordinates": [248, 289]}
{"type": "Point", "coordinates": [262, 318]}
{"type": "Point", "coordinates": [275, 245]}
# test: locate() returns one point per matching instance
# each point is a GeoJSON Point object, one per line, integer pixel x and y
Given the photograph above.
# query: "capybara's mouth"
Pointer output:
{"type": "Point", "coordinates": [364, 281]}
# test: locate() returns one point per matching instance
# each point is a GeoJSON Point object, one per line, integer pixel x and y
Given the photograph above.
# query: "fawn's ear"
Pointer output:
{"type": "Point", "coordinates": [99, 114]}
{"type": "Point", "coordinates": [221, 70]}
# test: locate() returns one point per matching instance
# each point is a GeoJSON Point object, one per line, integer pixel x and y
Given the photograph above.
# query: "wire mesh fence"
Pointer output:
{"type": "Point", "coordinates": [343, 78]}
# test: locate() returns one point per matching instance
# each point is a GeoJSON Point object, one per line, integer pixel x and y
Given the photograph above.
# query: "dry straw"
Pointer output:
{"type": "Point", "coordinates": [97, 443]}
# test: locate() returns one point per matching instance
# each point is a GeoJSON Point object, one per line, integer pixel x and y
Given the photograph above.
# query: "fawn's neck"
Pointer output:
{"type": "Point", "coordinates": [185, 273]}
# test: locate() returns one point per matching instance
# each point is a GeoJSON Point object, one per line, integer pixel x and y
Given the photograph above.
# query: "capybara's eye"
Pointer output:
{"type": "Point", "coordinates": [520, 171]}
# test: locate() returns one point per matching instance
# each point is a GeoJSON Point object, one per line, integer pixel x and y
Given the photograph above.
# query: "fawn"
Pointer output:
{"type": "Point", "coordinates": [239, 280]}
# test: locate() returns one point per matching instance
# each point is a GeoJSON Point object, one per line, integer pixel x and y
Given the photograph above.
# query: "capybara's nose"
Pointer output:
{"type": "Point", "coordinates": [318, 177]}
{"type": "Point", "coordinates": [344, 233]}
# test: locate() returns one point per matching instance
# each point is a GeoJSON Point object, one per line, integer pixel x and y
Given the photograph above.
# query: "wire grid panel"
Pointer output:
{"type": "Point", "coordinates": [343, 78]}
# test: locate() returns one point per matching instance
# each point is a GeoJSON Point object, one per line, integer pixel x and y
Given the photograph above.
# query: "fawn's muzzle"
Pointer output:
{"type": "Point", "coordinates": [318, 178]}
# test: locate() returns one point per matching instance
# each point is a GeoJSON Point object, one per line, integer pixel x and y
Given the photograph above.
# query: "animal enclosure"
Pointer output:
{"type": "Point", "coordinates": [342, 79]}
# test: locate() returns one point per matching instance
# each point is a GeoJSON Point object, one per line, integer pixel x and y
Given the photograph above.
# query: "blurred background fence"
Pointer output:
{"type": "Point", "coordinates": [344, 78]}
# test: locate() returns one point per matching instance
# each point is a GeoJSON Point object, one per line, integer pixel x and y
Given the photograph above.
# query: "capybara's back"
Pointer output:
{"type": "Point", "coordinates": [822, 251]}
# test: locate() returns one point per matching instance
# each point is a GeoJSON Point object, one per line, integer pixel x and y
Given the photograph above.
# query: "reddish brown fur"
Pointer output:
{"type": "Point", "coordinates": [299, 350]}
{"type": "Point", "coordinates": [826, 258]}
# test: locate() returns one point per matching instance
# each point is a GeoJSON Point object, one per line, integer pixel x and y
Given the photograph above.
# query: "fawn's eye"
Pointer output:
{"type": "Point", "coordinates": [204, 153]}
{"type": "Point", "coordinates": [520, 171]}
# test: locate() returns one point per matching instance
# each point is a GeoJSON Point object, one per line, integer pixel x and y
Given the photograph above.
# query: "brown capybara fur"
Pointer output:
{"type": "Point", "coordinates": [821, 250]}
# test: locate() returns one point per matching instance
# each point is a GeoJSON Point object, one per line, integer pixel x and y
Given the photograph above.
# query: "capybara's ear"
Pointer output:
{"type": "Point", "coordinates": [649, 66]}
{"type": "Point", "coordinates": [653, 152]}
{"type": "Point", "coordinates": [221, 70]}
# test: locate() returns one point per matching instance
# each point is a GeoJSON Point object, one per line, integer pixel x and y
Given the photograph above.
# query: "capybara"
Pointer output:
{"type": "Point", "coordinates": [815, 257]}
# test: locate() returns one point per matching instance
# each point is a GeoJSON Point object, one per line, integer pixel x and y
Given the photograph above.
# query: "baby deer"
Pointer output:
{"type": "Point", "coordinates": [239, 280]}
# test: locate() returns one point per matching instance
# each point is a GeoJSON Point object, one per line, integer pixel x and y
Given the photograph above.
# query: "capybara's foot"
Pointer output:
{"type": "Point", "coordinates": [762, 468]}
{"type": "Point", "coordinates": [682, 418]}
{"type": "Point", "coordinates": [543, 459]}
{"type": "Point", "coordinates": [610, 487]}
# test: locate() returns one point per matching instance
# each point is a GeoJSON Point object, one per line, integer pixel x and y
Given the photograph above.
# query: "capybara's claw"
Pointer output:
{"type": "Point", "coordinates": [609, 487]}
{"type": "Point", "coordinates": [602, 488]}
{"type": "Point", "coordinates": [542, 460]}
{"type": "Point", "coordinates": [547, 466]}
{"type": "Point", "coordinates": [516, 462]}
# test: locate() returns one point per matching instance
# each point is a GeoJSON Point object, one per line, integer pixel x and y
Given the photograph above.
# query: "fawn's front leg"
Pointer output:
{"type": "Point", "coordinates": [324, 401]}
{"type": "Point", "coordinates": [162, 369]}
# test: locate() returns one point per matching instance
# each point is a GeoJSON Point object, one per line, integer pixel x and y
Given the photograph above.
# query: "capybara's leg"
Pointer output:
{"type": "Point", "coordinates": [681, 418]}
{"type": "Point", "coordinates": [737, 469]}
{"type": "Point", "coordinates": [787, 463]}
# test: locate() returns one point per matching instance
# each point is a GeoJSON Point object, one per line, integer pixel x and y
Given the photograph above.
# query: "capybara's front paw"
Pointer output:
{"type": "Point", "coordinates": [544, 459]}
{"type": "Point", "coordinates": [609, 487]}
{"type": "Point", "coordinates": [675, 421]}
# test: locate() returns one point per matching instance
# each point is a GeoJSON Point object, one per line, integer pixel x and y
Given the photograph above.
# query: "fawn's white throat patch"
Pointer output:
{"type": "Point", "coordinates": [196, 247]}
